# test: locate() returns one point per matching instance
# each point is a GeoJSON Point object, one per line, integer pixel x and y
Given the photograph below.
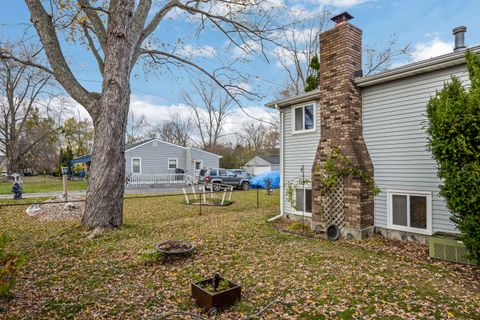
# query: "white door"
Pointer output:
{"type": "Point", "coordinates": [197, 166]}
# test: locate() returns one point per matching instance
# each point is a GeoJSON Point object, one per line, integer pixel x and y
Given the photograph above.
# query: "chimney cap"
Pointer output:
{"type": "Point", "coordinates": [459, 29]}
{"type": "Point", "coordinates": [342, 17]}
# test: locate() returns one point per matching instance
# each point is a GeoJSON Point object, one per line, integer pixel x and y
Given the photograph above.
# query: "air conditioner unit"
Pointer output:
{"type": "Point", "coordinates": [448, 247]}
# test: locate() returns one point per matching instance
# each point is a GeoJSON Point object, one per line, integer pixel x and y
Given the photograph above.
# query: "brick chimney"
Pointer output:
{"type": "Point", "coordinates": [341, 126]}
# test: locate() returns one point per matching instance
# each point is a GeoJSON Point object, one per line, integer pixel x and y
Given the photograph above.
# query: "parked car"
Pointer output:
{"type": "Point", "coordinates": [222, 176]}
{"type": "Point", "coordinates": [241, 173]}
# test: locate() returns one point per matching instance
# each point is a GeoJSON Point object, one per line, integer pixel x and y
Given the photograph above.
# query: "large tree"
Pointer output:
{"type": "Point", "coordinates": [119, 34]}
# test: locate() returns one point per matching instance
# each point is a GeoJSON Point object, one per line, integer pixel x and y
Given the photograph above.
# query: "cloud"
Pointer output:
{"type": "Point", "coordinates": [430, 49]}
{"type": "Point", "coordinates": [246, 48]}
{"type": "Point", "coordinates": [157, 112]}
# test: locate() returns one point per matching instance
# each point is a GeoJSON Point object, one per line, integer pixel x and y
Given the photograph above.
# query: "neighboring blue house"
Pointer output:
{"type": "Point", "coordinates": [155, 156]}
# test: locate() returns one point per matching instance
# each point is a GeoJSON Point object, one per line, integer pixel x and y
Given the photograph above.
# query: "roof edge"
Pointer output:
{"type": "Point", "coordinates": [432, 64]}
{"type": "Point", "coordinates": [293, 100]}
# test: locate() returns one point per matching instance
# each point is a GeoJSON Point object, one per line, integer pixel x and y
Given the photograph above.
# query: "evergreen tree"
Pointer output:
{"type": "Point", "coordinates": [454, 140]}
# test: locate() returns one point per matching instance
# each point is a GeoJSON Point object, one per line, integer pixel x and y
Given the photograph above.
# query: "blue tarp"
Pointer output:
{"type": "Point", "coordinates": [258, 181]}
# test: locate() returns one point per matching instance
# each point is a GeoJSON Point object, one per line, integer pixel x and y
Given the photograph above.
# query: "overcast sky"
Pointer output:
{"type": "Point", "coordinates": [426, 24]}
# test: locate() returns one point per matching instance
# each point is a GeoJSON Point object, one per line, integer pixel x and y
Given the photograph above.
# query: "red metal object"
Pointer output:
{"type": "Point", "coordinates": [219, 300]}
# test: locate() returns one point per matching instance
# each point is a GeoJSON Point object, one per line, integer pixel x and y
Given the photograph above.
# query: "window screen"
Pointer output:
{"type": "Point", "coordinates": [299, 199]}
{"type": "Point", "coordinates": [399, 210]}
{"type": "Point", "coordinates": [308, 200]}
{"type": "Point", "coordinates": [418, 212]}
{"type": "Point", "coordinates": [304, 201]}
{"type": "Point", "coordinates": [298, 119]}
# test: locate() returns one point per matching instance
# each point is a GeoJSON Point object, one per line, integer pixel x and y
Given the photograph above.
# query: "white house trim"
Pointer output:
{"type": "Point", "coordinates": [313, 104]}
{"type": "Point", "coordinates": [408, 193]}
{"type": "Point", "coordinates": [131, 165]}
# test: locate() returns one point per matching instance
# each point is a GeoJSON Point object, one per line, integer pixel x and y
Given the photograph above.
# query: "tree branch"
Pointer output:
{"type": "Point", "coordinates": [97, 23]}
{"type": "Point", "coordinates": [46, 30]}
{"type": "Point", "coordinates": [95, 52]}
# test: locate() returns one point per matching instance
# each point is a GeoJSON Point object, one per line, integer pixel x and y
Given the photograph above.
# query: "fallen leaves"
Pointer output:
{"type": "Point", "coordinates": [67, 275]}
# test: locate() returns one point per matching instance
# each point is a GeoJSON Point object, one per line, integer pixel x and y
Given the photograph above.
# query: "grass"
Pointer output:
{"type": "Point", "coordinates": [67, 276]}
{"type": "Point", "coordinates": [42, 184]}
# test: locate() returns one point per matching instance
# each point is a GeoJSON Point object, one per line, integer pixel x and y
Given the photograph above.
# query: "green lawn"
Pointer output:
{"type": "Point", "coordinates": [68, 276]}
{"type": "Point", "coordinates": [42, 184]}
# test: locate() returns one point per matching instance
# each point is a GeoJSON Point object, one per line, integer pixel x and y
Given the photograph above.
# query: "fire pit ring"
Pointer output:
{"type": "Point", "coordinates": [175, 247]}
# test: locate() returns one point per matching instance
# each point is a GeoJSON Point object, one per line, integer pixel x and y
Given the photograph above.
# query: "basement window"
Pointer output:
{"type": "Point", "coordinates": [303, 118]}
{"type": "Point", "coordinates": [303, 200]}
{"type": "Point", "coordinates": [410, 211]}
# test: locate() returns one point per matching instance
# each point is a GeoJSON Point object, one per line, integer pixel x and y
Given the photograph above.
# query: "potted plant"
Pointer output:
{"type": "Point", "coordinates": [216, 293]}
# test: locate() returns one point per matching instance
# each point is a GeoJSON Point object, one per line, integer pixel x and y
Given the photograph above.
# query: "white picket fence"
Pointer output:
{"type": "Point", "coordinates": [158, 180]}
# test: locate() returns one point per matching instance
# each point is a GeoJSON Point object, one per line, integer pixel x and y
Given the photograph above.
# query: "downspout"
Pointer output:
{"type": "Point", "coordinates": [281, 165]}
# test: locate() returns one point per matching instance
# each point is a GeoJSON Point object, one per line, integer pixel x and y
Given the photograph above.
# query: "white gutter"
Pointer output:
{"type": "Point", "coordinates": [281, 165]}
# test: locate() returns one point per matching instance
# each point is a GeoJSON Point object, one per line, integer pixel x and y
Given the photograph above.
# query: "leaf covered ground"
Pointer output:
{"type": "Point", "coordinates": [68, 275]}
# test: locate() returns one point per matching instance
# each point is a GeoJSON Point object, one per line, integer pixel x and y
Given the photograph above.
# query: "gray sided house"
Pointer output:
{"type": "Point", "coordinates": [155, 156]}
{"type": "Point", "coordinates": [378, 122]}
{"type": "Point", "coordinates": [261, 164]}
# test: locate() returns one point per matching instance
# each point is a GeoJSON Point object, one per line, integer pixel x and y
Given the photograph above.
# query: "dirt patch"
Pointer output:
{"type": "Point", "coordinates": [52, 210]}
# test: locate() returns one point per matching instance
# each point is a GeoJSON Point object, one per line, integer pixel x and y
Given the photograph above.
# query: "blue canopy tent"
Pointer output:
{"type": "Point", "coordinates": [83, 159]}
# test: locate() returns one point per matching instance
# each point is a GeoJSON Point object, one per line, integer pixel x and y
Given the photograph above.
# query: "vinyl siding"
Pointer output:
{"type": "Point", "coordinates": [299, 149]}
{"type": "Point", "coordinates": [155, 159]}
{"type": "Point", "coordinates": [209, 160]}
{"type": "Point", "coordinates": [393, 129]}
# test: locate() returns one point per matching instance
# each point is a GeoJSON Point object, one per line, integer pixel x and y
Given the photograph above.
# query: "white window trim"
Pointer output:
{"type": "Point", "coordinates": [131, 165]}
{"type": "Point", "coordinates": [314, 118]}
{"type": "Point", "coordinates": [300, 213]}
{"type": "Point", "coordinates": [390, 193]}
{"type": "Point", "coordinates": [168, 163]}
{"type": "Point", "coordinates": [195, 162]}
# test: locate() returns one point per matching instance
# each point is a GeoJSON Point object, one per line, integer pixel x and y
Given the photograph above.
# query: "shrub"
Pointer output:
{"type": "Point", "coordinates": [10, 265]}
{"type": "Point", "coordinates": [454, 140]}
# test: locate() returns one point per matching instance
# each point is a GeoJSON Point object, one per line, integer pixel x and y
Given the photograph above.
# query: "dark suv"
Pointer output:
{"type": "Point", "coordinates": [223, 176]}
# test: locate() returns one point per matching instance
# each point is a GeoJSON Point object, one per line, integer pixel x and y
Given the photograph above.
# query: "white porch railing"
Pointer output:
{"type": "Point", "coordinates": [157, 180]}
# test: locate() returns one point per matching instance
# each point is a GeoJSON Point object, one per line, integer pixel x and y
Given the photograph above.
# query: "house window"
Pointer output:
{"type": "Point", "coordinates": [198, 165]}
{"type": "Point", "coordinates": [136, 165]}
{"type": "Point", "coordinates": [303, 200]}
{"type": "Point", "coordinates": [304, 118]}
{"type": "Point", "coordinates": [410, 211]}
{"type": "Point", "coordinates": [172, 163]}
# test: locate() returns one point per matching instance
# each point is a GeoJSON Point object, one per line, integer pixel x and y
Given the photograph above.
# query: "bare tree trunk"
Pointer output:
{"type": "Point", "coordinates": [104, 205]}
{"type": "Point", "coordinates": [107, 171]}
